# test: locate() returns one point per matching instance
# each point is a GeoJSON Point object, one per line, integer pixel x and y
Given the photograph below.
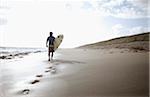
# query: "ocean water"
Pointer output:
{"type": "Point", "coordinates": [15, 52]}
{"type": "Point", "coordinates": [20, 50]}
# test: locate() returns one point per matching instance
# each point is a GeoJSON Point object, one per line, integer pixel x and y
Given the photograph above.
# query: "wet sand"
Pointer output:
{"type": "Point", "coordinates": [77, 73]}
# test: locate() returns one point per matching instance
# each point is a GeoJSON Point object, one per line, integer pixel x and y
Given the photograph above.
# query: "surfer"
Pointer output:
{"type": "Point", "coordinates": [50, 40]}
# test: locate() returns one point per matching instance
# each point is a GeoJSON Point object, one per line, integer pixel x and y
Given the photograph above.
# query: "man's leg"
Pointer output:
{"type": "Point", "coordinates": [49, 54]}
{"type": "Point", "coordinates": [52, 52]}
{"type": "Point", "coordinates": [52, 55]}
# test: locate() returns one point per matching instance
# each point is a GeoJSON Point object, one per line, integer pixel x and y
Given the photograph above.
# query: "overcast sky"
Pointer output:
{"type": "Point", "coordinates": [27, 23]}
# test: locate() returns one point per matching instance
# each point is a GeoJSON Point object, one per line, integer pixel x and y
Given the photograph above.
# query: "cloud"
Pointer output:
{"type": "Point", "coordinates": [117, 28]}
{"type": "Point", "coordinates": [87, 5]}
{"type": "Point", "coordinates": [121, 30]}
{"type": "Point", "coordinates": [120, 8]}
{"type": "Point", "coordinates": [125, 8]}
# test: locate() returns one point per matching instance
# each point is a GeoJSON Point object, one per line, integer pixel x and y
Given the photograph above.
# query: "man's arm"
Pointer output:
{"type": "Point", "coordinates": [47, 42]}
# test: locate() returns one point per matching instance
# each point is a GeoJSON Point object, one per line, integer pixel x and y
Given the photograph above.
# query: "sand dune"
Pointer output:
{"type": "Point", "coordinates": [134, 42]}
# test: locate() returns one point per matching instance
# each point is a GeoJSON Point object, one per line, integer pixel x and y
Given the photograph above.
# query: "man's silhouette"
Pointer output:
{"type": "Point", "coordinates": [50, 40]}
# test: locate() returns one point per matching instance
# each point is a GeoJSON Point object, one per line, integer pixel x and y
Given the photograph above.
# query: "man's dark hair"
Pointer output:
{"type": "Point", "coordinates": [51, 33]}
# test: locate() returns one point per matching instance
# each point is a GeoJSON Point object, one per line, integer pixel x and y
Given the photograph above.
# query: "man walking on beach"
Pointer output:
{"type": "Point", "coordinates": [50, 40]}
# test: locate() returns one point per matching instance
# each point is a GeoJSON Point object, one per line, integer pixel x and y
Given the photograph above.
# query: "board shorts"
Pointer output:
{"type": "Point", "coordinates": [51, 48]}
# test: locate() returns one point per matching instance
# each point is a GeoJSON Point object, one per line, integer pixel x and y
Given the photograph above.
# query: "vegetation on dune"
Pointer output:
{"type": "Point", "coordinates": [136, 42]}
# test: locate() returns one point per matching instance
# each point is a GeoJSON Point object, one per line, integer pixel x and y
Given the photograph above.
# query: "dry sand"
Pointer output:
{"type": "Point", "coordinates": [77, 73]}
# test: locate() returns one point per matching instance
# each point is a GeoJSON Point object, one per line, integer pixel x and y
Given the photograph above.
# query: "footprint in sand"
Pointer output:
{"type": "Point", "coordinates": [49, 67]}
{"type": "Point", "coordinates": [47, 71]}
{"type": "Point", "coordinates": [35, 81]}
{"type": "Point", "coordinates": [52, 70]}
{"type": "Point", "coordinates": [25, 91]}
{"type": "Point", "coordinates": [39, 75]}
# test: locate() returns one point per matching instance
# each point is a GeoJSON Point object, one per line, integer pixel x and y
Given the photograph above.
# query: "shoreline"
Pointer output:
{"type": "Point", "coordinates": [8, 53]}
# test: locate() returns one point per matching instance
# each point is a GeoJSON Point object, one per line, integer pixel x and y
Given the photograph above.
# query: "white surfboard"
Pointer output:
{"type": "Point", "coordinates": [58, 41]}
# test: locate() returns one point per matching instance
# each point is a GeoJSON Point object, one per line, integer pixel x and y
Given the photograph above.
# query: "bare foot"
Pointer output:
{"type": "Point", "coordinates": [35, 81]}
{"type": "Point", "coordinates": [48, 59]}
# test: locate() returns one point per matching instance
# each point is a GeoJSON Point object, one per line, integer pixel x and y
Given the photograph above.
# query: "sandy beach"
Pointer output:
{"type": "Point", "coordinates": [77, 73]}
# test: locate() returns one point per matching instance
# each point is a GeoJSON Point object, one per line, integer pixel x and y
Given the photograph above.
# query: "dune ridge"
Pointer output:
{"type": "Point", "coordinates": [135, 42]}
